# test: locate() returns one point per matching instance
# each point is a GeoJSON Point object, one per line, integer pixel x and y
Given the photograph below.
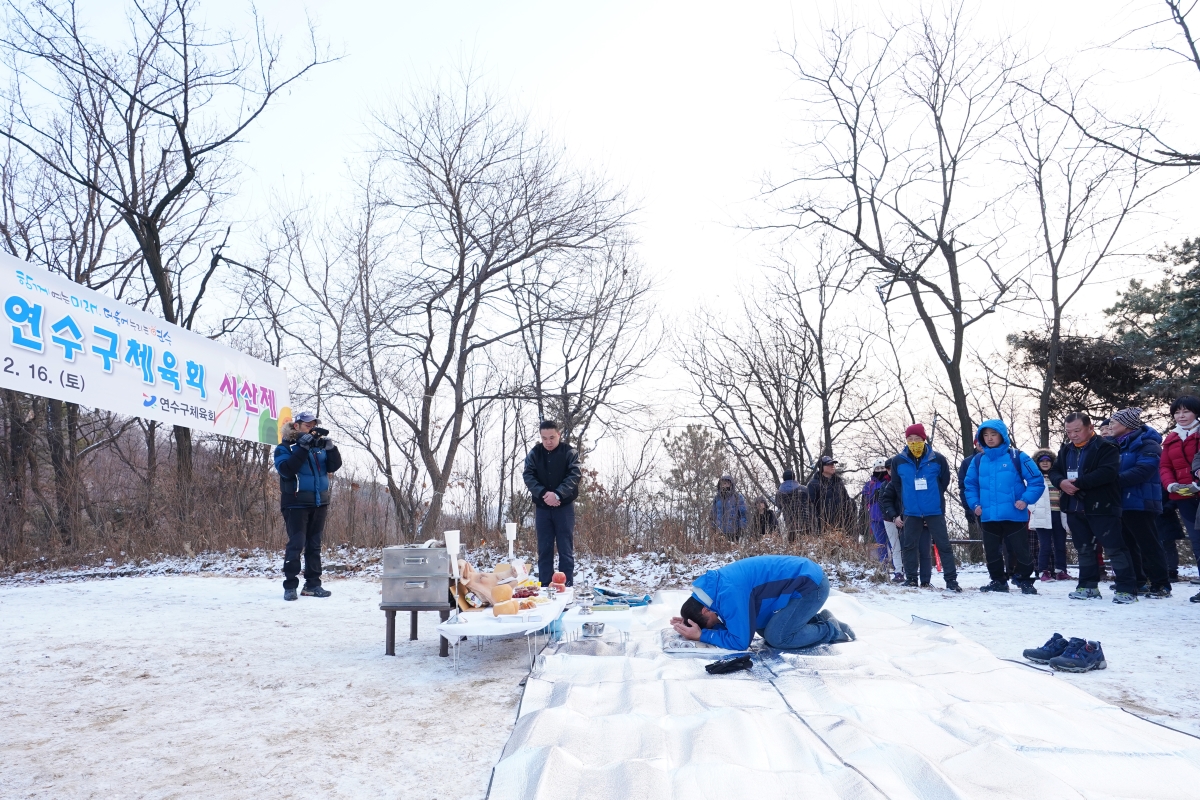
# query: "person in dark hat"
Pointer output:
{"type": "Point", "coordinates": [922, 477]}
{"type": "Point", "coordinates": [305, 459]}
{"type": "Point", "coordinates": [827, 496]}
{"type": "Point", "coordinates": [1141, 500]}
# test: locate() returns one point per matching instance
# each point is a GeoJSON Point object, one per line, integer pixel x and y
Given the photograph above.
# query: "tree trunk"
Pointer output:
{"type": "Point", "coordinates": [433, 517]}
{"type": "Point", "coordinates": [1048, 381]}
{"type": "Point", "coordinates": [63, 472]}
{"type": "Point", "coordinates": [183, 470]}
{"type": "Point", "coordinates": [149, 512]}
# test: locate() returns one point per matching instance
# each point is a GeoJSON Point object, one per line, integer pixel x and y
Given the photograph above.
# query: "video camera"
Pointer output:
{"type": "Point", "coordinates": [319, 436]}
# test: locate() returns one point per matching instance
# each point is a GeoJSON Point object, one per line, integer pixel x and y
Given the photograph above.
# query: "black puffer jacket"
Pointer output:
{"type": "Point", "coordinates": [1099, 465]}
{"type": "Point", "coordinates": [889, 501]}
{"type": "Point", "coordinates": [555, 471]}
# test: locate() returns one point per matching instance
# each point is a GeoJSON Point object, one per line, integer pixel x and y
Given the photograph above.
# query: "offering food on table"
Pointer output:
{"type": "Point", "coordinates": [559, 582]}
{"type": "Point", "coordinates": [526, 591]}
{"type": "Point", "coordinates": [507, 607]}
{"type": "Point", "coordinates": [503, 571]}
{"type": "Point", "coordinates": [527, 605]}
{"type": "Point", "coordinates": [502, 592]}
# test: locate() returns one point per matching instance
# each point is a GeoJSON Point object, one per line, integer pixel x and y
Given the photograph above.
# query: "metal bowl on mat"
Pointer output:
{"type": "Point", "coordinates": [593, 630]}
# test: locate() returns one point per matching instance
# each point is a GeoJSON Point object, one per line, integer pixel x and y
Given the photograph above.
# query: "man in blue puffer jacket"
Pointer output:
{"type": "Point", "coordinates": [778, 597]}
{"type": "Point", "coordinates": [304, 460]}
{"type": "Point", "coordinates": [1000, 485]}
{"type": "Point", "coordinates": [1141, 500]}
{"type": "Point", "coordinates": [922, 477]}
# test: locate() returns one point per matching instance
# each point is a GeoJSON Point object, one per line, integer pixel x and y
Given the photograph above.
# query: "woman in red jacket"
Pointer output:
{"type": "Point", "coordinates": [1179, 449]}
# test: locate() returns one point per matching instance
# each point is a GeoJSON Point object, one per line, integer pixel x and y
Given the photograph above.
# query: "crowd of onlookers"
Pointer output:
{"type": "Point", "coordinates": [1120, 490]}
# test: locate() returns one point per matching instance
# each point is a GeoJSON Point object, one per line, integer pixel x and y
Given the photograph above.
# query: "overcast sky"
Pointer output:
{"type": "Point", "coordinates": [689, 104]}
{"type": "Point", "coordinates": [686, 103]}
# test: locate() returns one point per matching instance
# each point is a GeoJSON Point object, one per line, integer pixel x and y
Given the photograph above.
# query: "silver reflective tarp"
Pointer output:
{"type": "Point", "coordinates": [907, 711]}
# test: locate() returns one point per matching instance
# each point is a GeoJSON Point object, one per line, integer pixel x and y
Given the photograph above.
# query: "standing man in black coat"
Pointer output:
{"type": "Point", "coordinates": [1087, 471]}
{"type": "Point", "coordinates": [552, 476]}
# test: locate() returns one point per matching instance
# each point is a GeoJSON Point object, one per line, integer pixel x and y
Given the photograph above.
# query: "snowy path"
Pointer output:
{"type": "Point", "coordinates": [1152, 647]}
{"type": "Point", "coordinates": [178, 686]}
{"type": "Point", "coordinates": [214, 687]}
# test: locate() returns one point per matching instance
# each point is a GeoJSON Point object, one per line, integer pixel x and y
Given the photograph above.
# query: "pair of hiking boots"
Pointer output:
{"type": "Point", "coordinates": [1068, 655]}
{"type": "Point", "coordinates": [1026, 586]}
{"type": "Point", "coordinates": [1123, 598]}
{"type": "Point", "coordinates": [307, 591]}
{"type": "Point", "coordinates": [951, 586]}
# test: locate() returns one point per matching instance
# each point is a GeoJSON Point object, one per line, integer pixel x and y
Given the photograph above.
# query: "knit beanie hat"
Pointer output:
{"type": "Point", "coordinates": [1129, 417]}
{"type": "Point", "coordinates": [916, 429]}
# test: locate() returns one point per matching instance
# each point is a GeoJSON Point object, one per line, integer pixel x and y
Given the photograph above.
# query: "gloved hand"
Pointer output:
{"type": "Point", "coordinates": [1173, 488]}
{"type": "Point", "coordinates": [329, 445]}
{"type": "Point", "coordinates": [306, 441]}
{"type": "Point", "coordinates": [725, 666]}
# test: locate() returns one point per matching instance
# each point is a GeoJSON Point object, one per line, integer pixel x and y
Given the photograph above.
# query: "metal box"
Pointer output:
{"type": "Point", "coordinates": [416, 576]}
{"type": "Point", "coordinates": [416, 590]}
{"type": "Point", "coordinates": [416, 561]}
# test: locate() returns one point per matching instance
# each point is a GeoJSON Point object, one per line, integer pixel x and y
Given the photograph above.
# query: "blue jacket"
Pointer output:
{"type": "Point", "coordinates": [999, 477]}
{"type": "Point", "coordinates": [1139, 478]}
{"type": "Point", "coordinates": [933, 470]}
{"type": "Point", "coordinates": [303, 473]}
{"type": "Point", "coordinates": [746, 593]}
{"type": "Point", "coordinates": [729, 513]}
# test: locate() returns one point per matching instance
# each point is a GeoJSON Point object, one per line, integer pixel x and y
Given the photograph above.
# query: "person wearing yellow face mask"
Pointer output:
{"type": "Point", "coordinates": [923, 476]}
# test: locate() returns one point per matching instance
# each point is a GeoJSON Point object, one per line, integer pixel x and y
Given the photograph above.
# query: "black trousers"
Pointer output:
{"type": "Point", "coordinates": [1140, 532]}
{"type": "Point", "coordinates": [555, 526]}
{"type": "Point", "coordinates": [304, 529]}
{"type": "Point", "coordinates": [1012, 535]}
{"type": "Point", "coordinates": [1086, 533]}
{"type": "Point", "coordinates": [910, 542]}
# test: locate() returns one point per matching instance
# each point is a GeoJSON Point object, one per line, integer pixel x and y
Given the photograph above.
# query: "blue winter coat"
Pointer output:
{"type": "Point", "coordinates": [930, 468]}
{"type": "Point", "coordinates": [999, 477]}
{"type": "Point", "coordinates": [304, 474]}
{"type": "Point", "coordinates": [746, 593]}
{"type": "Point", "coordinates": [1139, 478]}
{"type": "Point", "coordinates": [729, 513]}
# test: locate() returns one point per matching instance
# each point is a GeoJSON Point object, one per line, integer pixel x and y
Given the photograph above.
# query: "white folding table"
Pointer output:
{"type": "Point", "coordinates": [484, 624]}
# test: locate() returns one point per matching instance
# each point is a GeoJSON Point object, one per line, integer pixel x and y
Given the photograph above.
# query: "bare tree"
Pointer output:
{"type": "Point", "coordinates": [837, 372]}
{"type": "Point", "coordinates": [164, 108]}
{"type": "Point", "coordinates": [750, 390]}
{"type": "Point", "coordinates": [791, 377]}
{"type": "Point", "coordinates": [588, 342]}
{"type": "Point", "coordinates": [1137, 138]}
{"type": "Point", "coordinates": [465, 202]}
{"type": "Point", "coordinates": [901, 165]}
{"type": "Point", "coordinates": [1085, 193]}
{"type": "Point", "coordinates": [68, 229]}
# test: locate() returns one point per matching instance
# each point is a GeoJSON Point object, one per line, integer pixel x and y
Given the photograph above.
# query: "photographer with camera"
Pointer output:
{"type": "Point", "coordinates": [304, 460]}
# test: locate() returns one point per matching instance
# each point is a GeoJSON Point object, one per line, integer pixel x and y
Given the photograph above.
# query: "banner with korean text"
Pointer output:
{"type": "Point", "coordinates": [68, 342]}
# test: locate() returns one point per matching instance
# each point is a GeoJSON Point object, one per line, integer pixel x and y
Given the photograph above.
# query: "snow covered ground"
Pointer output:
{"type": "Point", "coordinates": [184, 686]}
{"type": "Point", "coordinates": [168, 684]}
{"type": "Point", "coordinates": [1151, 646]}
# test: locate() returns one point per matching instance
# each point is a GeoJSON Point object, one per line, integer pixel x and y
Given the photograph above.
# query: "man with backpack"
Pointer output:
{"type": "Point", "coordinates": [1000, 485]}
